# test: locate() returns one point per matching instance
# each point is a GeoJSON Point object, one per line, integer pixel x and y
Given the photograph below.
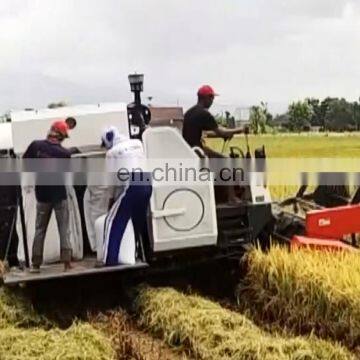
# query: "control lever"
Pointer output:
{"type": "Point", "coordinates": [236, 152]}
{"type": "Point", "coordinates": [248, 153]}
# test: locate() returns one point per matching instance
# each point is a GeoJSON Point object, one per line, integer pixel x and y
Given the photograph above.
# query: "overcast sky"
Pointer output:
{"type": "Point", "coordinates": [250, 50]}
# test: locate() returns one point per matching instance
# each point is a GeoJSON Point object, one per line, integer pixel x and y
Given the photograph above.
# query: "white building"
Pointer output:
{"type": "Point", "coordinates": [242, 116]}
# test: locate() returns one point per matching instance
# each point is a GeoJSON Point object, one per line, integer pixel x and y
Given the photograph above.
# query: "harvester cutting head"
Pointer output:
{"type": "Point", "coordinates": [325, 219]}
{"type": "Point", "coordinates": [330, 229]}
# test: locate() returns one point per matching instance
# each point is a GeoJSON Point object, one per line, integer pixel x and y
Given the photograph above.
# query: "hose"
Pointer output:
{"type": "Point", "coordinates": [226, 142]}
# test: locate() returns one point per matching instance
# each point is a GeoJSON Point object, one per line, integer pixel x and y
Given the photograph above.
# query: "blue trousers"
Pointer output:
{"type": "Point", "coordinates": [132, 204]}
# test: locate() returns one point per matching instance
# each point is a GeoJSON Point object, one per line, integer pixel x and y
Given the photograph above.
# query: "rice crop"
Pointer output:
{"type": "Point", "coordinates": [208, 331]}
{"type": "Point", "coordinates": [2, 270]}
{"type": "Point", "coordinates": [17, 311]}
{"type": "Point", "coordinates": [80, 342]}
{"type": "Point", "coordinates": [129, 342]}
{"type": "Point", "coordinates": [307, 145]}
{"type": "Point", "coordinates": [304, 291]}
{"type": "Point", "coordinates": [292, 145]}
{"type": "Point", "coordinates": [281, 192]}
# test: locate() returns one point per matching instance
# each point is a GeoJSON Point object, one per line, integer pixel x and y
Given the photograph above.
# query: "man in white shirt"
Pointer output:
{"type": "Point", "coordinates": [129, 199]}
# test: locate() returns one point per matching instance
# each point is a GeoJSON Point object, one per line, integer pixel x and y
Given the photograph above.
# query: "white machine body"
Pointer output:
{"type": "Point", "coordinates": [258, 192]}
{"type": "Point", "coordinates": [27, 126]}
{"type": "Point", "coordinates": [182, 215]}
{"type": "Point", "coordinates": [5, 136]}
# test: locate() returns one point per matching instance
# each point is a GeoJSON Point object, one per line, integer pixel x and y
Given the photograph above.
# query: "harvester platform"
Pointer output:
{"type": "Point", "coordinates": [56, 271]}
{"type": "Point", "coordinates": [320, 244]}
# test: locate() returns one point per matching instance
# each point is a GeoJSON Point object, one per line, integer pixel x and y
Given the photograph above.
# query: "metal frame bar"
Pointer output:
{"type": "Point", "coordinates": [11, 232]}
{"type": "Point", "coordinates": [24, 233]}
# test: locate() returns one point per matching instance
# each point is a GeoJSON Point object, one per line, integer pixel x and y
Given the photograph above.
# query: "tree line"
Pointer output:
{"type": "Point", "coordinates": [330, 114]}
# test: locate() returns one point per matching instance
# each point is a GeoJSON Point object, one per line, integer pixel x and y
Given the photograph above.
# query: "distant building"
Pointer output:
{"type": "Point", "coordinates": [315, 128]}
{"type": "Point", "coordinates": [281, 121]}
{"type": "Point", "coordinates": [167, 116]}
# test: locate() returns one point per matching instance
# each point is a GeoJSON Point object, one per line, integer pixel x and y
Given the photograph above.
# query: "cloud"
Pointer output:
{"type": "Point", "coordinates": [250, 50]}
{"type": "Point", "coordinates": [310, 8]}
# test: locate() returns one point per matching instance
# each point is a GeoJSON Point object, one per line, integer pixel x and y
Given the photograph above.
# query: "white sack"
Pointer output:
{"type": "Point", "coordinates": [127, 247]}
{"type": "Point", "coordinates": [96, 203]}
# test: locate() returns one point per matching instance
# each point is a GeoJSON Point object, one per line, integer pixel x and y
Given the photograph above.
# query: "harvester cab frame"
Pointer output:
{"type": "Point", "coordinates": [185, 224]}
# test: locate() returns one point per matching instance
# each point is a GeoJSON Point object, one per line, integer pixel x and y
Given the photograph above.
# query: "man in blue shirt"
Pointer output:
{"type": "Point", "coordinates": [51, 197]}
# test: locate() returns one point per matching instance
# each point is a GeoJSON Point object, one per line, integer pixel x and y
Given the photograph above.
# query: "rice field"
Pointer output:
{"type": "Point", "coordinates": [80, 341]}
{"type": "Point", "coordinates": [17, 311]}
{"type": "Point", "coordinates": [167, 325]}
{"type": "Point", "coordinates": [130, 342]}
{"type": "Point", "coordinates": [24, 334]}
{"type": "Point", "coordinates": [206, 330]}
{"type": "Point", "coordinates": [307, 145]}
{"type": "Point", "coordinates": [114, 335]}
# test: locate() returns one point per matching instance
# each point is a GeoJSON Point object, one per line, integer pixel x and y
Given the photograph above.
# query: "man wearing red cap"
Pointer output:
{"type": "Point", "coordinates": [198, 119]}
{"type": "Point", "coordinates": [51, 197]}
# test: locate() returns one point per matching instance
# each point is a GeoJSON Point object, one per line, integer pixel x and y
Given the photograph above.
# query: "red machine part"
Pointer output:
{"type": "Point", "coordinates": [326, 228]}
{"type": "Point", "coordinates": [319, 244]}
{"type": "Point", "coordinates": [333, 223]}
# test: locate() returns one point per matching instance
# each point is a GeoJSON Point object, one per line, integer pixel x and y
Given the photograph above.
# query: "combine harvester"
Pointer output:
{"type": "Point", "coordinates": [186, 224]}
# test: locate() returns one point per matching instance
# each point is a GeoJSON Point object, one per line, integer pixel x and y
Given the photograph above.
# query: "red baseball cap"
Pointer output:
{"type": "Point", "coordinates": [61, 127]}
{"type": "Point", "coordinates": [207, 90]}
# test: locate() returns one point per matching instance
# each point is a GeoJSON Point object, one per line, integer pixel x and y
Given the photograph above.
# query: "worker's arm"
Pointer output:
{"type": "Point", "coordinates": [74, 150]}
{"type": "Point", "coordinates": [229, 133]}
{"type": "Point", "coordinates": [209, 123]}
{"type": "Point", "coordinates": [30, 151]}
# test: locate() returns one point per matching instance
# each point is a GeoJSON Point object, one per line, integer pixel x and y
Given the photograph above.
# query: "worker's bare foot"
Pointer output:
{"type": "Point", "coordinates": [234, 201]}
{"type": "Point", "coordinates": [35, 269]}
{"type": "Point", "coordinates": [68, 266]}
{"type": "Point", "coordinates": [99, 264]}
